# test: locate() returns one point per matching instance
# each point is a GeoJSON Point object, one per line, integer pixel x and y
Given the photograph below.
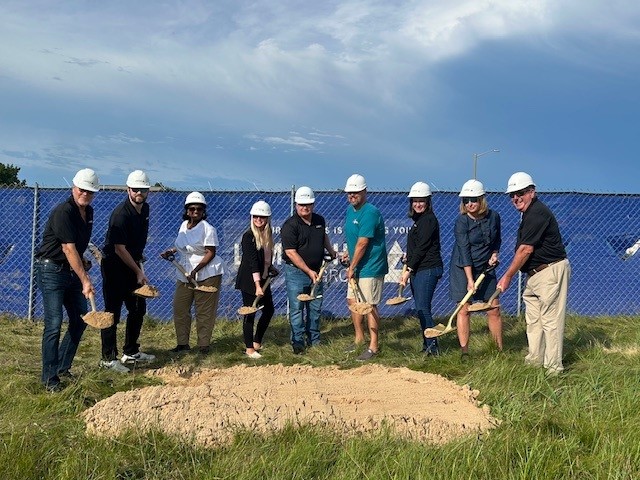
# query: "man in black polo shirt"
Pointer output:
{"type": "Point", "coordinates": [62, 278]}
{"type": "Point", "coordinates": [122, 274]}
{"type": "Point", "coordinates": [304, 241]}
{"type": "Point", "coordinates": [540, 254]}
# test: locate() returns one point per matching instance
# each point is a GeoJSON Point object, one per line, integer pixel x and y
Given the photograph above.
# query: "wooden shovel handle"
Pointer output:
{"type": "Point", "coordinates": [400, 286]}
{"type": "Point", "coordinates": [258, 297]}
{"type": "Point", "coordinates": [319, 277]}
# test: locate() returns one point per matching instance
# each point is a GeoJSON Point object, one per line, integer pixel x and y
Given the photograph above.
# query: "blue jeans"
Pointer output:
{"type": "Point", "coordinates": [302, 333]}
{"type": "Point", "coordinates": [423, 286]}
{"type": "Point", "coordinates": [60, 287]}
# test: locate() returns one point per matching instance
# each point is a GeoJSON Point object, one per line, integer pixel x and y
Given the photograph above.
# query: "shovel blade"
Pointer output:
{"type": "Point", "coordinates": [438, 330]}
{"type": "Point", "coordinates": [482, 307]}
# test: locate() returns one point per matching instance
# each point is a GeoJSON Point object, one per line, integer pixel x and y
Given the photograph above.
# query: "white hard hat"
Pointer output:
{"type": "Point", "coordinates": [419, 190]}
{"type": "Point", "coordinates": [86, 179]}
{"type": "Point", "coordinates": [305, 196]}
{"type": "Point", "coordinates": [355, 183]}
{"type": "Point", "coordinates": [261, 209]}
{"type": "Point", "coordinates": [518, 181]}
{"type": "Point", "coordinates": [195, 197]}
{"type": "Point", "coordinates": [472, 188]}
{"type": "Point", "coordinates": [138, 179]}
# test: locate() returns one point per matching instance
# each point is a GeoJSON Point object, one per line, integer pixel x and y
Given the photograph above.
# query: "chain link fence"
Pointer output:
{"type": "Point", "coordinates": [601, 233]}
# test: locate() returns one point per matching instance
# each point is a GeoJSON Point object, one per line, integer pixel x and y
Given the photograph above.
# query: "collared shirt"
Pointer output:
{"type": "Point", "coordinates": [129, 228]}
{"type": "Point", "coordinates": [306, 239]}
{"type": "Point", "coordinates": [539, 229]}
{"type": "Point", "coordinates": [65, 225]}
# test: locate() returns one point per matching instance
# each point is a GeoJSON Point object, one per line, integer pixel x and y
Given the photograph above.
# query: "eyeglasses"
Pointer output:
{"type": "Point", "coordinates": [470, 199]}
{"type": "Point", "coordinates": [195, 209]}
{"type": "Point", "coordinates": [139, 190]}
{"type": "Point", "coordinates": [520, 193]}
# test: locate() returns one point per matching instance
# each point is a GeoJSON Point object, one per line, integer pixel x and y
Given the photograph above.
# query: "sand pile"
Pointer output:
{"type": "Point", "coordinates": [208, 406]}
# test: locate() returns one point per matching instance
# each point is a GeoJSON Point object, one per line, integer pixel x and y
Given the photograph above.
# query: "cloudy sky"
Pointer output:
{"type": "Point", "coordinates": [238, 94]}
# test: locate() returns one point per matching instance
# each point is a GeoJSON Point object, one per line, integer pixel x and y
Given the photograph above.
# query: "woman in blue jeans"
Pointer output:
{"type": "Point", "coordinates": [423, 259]}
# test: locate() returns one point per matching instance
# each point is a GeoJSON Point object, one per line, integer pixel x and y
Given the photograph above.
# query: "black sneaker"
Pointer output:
{"type": "Point", "coordinates": [298, 349]}
{"type": "Point", "coordinates": [180, 348]}
{"type": "Point", "coordinates": [203, 350]}
{"type": "Point", "coordinates": [53, 387]}
{"type": "Point", "coordinates": [368, 354]}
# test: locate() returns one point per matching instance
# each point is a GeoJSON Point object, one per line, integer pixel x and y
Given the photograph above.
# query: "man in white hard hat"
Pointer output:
{"type": "Point", "coordinates": [367, 252]}
{"type": "Point", "coordinates": [541, 255]}
{"type": "Point", "coordinates": [122, 273]}
{"type": "Point", "coordinates": [304, 241]}
{"type": "Point", "coordinates": [62, 278]}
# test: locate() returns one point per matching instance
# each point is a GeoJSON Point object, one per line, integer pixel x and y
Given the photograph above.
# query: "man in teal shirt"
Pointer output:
{"type": "Point", "coordinates": [367, 251]}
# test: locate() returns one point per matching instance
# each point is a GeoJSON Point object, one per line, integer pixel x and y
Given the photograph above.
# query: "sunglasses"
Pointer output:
{"type": "Point", "coordinates": [470, 199]}
{"type": "Point", "coordinates": [87, 192]}
{"type": "Point", "coordinates": [139, 190]}
{"type": "Point", "coordinates": [262, 217]}
{"type": "Point", "coordinates": [195, 209]}
{"type": "Point", "coordinates": [520, 193]}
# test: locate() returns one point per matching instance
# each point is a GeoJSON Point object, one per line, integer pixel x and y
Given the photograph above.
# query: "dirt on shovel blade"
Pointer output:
{"type": "Point", "coordinates": [98, 319]}
{"type": "Point", "coordinates": [396, 300]}
{"type": "Point", "coordinates": [361, 308]}
{"type": "Point", "coordinates": [206, 288]}
{"type": "Point", "coordinates": [247, 310]}
{"type": "Point", "coordinates": [147, 291]}
{"type": "Point", "coordinates": [305, 297]}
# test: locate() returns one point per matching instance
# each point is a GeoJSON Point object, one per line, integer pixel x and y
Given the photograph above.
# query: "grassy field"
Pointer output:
{"type": "Point", "coordinates": [583, 424]}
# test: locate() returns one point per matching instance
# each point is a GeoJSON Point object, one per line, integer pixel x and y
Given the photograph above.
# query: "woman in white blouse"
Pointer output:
{"type": "Point", "coordinates": [196, 246]}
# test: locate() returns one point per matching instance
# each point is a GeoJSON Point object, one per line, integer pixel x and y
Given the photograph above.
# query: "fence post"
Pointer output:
{"type": "Point", "coordinates": [36, 194]}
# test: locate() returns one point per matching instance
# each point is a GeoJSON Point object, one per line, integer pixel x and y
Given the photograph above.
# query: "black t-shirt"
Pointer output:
{"type": "Point", "coordinates": [65, 225]}
{"type": "Point", "coordinates": [423, 242]}
{"type": "Point", "coordinates": [307, 240]}
{"type": "Point", "coordinates": [129, 228]}
{"type": "Point", "coordinates": [539, 229]}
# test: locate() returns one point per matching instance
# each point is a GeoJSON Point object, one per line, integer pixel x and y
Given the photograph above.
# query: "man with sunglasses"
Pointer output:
{"type": "Point", "coordinates": [541, 255]}
{"type": "Point", "coordinates": [61, 275]}
{"type": "Point", "coordinates": [122, 273]}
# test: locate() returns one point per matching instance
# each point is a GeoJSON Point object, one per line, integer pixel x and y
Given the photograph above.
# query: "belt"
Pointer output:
{"type": "Point", "coordinates": [53, 262]}
{"type": "Point", "coordinates": [539, 268]}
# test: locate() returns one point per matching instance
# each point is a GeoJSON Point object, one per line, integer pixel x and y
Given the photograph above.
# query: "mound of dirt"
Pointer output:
{"type": "Point", "coordinates": [208, 406]}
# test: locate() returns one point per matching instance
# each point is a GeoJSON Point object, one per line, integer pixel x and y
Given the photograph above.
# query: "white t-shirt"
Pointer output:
{"type": "Point", "coordinates": [191, 244]}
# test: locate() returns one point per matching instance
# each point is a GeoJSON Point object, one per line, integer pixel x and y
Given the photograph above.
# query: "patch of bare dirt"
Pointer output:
{"type": "Point", "coordinates": [209, 405]}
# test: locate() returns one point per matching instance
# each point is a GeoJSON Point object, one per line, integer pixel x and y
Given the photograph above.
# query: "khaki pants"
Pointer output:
{"type": "Point", "coordinates": [206, 308]}
{"type": "Point", "coordinates": [545, 297]}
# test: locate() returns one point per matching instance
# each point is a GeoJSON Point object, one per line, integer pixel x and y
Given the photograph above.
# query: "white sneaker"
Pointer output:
{"type": "Point", "coordinates": [114, 365]}
{"type": "Point", "coordinates": [254, 355]}
{"type": "Point", "coordinates": [138, 357]}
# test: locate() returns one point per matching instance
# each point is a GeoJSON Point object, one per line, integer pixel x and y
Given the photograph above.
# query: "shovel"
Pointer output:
{"type": "Point", "coordinates": [399, 299]}
{"type": "Point", "coordinates": [307, 297]}
{"type": "Point", "coordinates": [99, 320]}
{"type": "Point", "coordinates": [196, 286]}
{"type": "Point", "coordinates": [360, 307]}
{"type": "Point", "coordinates": [254, 307]}
{"type": "Point", "coordinates": [484, 306]}
{"type": "Point", "coordinates": [146, 291]}
{"type": "Point", "coordinates": [441, 329]}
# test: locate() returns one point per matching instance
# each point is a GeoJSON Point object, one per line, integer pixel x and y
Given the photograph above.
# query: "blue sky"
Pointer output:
{"type": "Point", "coordinates": [268, 94]}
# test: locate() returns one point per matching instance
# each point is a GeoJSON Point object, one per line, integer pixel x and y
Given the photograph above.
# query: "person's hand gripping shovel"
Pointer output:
{"type": "Point", "coordinates": [253, 308]}
{"type": "Point", "coordinates": [307, 297]}
{"type": "Point", "coordinates": [399, 299]}
{"type": "Point", "coordinates": [441, 329]}
{"type": "Point", "coordinates": [202, 288]}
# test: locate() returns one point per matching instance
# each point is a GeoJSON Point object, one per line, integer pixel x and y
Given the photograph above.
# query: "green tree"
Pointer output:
{"type": "Point", "coordinates": [9, 176]}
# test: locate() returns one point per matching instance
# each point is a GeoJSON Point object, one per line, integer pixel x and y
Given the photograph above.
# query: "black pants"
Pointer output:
{"type": "Point", "coordinates": [118, 284]}
{"type": "Point", "coordinates": [263, 322]}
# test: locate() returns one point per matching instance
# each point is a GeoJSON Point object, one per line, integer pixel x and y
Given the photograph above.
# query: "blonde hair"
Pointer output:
{"type": "Point", "coordinates": [264, 237]}
{"type": "Point", "coordinates": [482, 210]}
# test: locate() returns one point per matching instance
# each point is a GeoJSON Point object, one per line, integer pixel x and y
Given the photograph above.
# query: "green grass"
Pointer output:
{"type": "Point", "coordinates": [583, 424]}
